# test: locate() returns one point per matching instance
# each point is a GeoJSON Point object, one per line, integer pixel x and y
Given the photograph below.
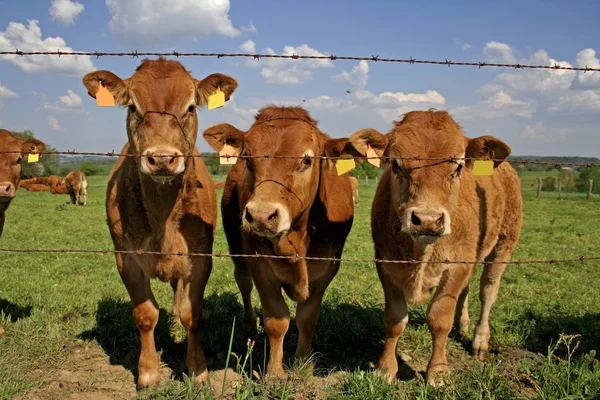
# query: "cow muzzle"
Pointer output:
{"type": "Point", "coordinates": [426, 224]}
{"type": "Point", "coordinates": [266, 219]}
{"type": "Point", "coordinates": [7, 191]}
{"type": "Point", "coordinates": [162, 164]}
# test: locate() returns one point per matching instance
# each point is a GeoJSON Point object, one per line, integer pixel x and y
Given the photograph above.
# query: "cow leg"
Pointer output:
{"type": "Point", "coordinates": [488, 293]}
{"type": "Point", "coordinates": [83, 195]}
{"type": "Point", "coordinates": [461, 318]}
{"type": "Point", "coordinates": [72, 196]}
{"type": "Point", "coordinates": [177, 286]}
{"type": "Point", "coordinates": [440, 315]}
{"type": "Point", "coordinates": [395, 321]}
{"type": "Point", "coordinates": [190, 313]}
{"type": "Point", "coordinates": [243, 279]}
{"type": "Point", "coordinates": [145, 312]}
{"type": "Point", "coordinates": [307, 312]}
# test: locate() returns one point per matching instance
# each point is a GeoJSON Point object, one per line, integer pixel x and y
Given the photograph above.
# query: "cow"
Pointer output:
{"type": "Point", "coordinates": [219, 185]}
{"type": "Point", "coordinates": [284, 207]}
{"type": "Point", "coordinates": [435, 210]}
{"type": "Point", "coordinates": [77, 183]}
{"type": "Point", "coordinates": [12, 151]}
{"type": "Point", "coordinates": [161, 197]}
{"type": "Point", "coordinates": [59, 188]}
{"type": "Point", "coordinates": [36, 187]}
{"type": "Point", "coordinates": [354, 183]}
{"type": "Point", "coordinates": [54, 180]}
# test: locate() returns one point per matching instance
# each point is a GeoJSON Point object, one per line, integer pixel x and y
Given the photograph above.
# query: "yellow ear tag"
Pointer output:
{"type": "Point", "coordinates": [103, 97]}
{"type": "Point", "coordinates": [484, 167]}
{"type": "Point", "coordinates": [371, 153]}
{"type": "Point", "coordinates": [216, 100]}
{"type": "Point", "coordinates": [227, 155]}
{"type": "Point", "coordinates": [31, 158]}
{"type": "Point", "coordinates": [345, 164]}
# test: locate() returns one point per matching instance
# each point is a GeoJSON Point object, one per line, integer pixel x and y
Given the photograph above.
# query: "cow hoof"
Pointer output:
{"type": "Point", "coordinates": [148, 379]}
{"type": "Point", "coordinates": [437, 378]}
{"type": "Point", "coordinates": [480, 347]}
{"type": "Point", "coordinates": [201, 377]}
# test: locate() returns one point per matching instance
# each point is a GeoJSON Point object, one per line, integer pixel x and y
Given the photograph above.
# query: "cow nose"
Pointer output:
{"type": "Point", "coordinates": [428, 222]}
{"type": "Point", "coordinates": [7, 190]}
{"type": "Point", "coordinates": [264, 218]}
{"type": "Point", "coordinates": [162, 161]}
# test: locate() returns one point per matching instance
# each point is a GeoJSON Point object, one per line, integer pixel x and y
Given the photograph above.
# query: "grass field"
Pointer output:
{"type": "Point", "coordinates": [71, 333]}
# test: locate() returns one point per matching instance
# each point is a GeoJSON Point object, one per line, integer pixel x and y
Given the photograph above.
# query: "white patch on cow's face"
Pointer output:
{"type": "Point", "coordinates": [268, 219]}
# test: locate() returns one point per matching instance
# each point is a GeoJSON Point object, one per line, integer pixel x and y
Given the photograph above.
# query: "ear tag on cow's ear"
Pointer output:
{"type": "Point", "coordinates": [216, 100]}
{"type": "Point", "coordinates": [103, 97]}
{"type": "Point", "coordinates": [371, 153]}
{"type": "Point", "coordinates": [33, 157]}
{"type": "Point", "coordinates": [345, 164]}
{"type": "Point", "coordinates": [227, 155]}
{"type": "Point", "coordinates": [483, 167]}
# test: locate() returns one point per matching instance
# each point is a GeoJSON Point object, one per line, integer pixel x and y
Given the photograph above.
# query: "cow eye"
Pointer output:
{"type": "Point", "coordinates": [132, 108]}
{"type": "Point", "coordinates": [458, 170]}
{"type": "Point", "coordinates": [191, 108]}
{"type": "Point", "coordinates": [19, 160]}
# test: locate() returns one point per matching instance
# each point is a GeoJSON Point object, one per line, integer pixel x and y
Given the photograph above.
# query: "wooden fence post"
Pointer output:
{"type": "Point", "coordinates": [539, 189]}
{"type": "Point", "coordinates": [590, 186]}
{"type": "Point", "coordinates": [559, 187]}
{"type": "Point", "coordinates": [366, 180]}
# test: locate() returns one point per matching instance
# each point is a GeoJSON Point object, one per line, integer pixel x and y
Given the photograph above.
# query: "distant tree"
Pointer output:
{"type": "Point", "coordinates": [365, 169]}
{"type": "Point", "coordinates": [64, 171]}
{"type": "Point", "coordinates": [585, 175]}
{"type": "Point", "coordinates": [549, 184]}
{"type": "Point", "coordinates": [90, 168]}
{"type": "Point", "coordinates": [568, 180]}
{"type": "Point", "coordinates": [48, 164]}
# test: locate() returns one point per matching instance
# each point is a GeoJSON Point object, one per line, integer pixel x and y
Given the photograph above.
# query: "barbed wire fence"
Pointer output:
{"type": "Point", "coordinates": [410, 60]}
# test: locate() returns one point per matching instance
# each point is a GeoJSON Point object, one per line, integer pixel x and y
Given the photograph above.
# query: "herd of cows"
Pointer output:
{"type": "Point", "coordinates": [74, 184]}
{"type": "Point", "coordinates": [429, 208]}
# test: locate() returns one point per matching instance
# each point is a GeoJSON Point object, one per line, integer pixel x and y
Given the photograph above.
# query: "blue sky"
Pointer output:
{"type": "Point", "coordinates": [536, 112]}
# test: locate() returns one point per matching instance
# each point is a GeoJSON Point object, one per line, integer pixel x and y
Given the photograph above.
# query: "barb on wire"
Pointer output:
{"type": "Point", "coordinates": [296, 257]}
{"type": "Point", "coordinates": [384, 158]}
{"type": "Point", "coordinates": [136, 54]}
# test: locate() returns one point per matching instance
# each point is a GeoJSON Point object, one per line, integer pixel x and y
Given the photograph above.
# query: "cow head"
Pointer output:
{"type": "Point", "coordinates": [12, 152]}
{"type": "Point", "coordinates": [425, 193]}
{"type": "Point", "coordinates": [282, 190]}
{"type": "Point", "coordinates": [161, 99]}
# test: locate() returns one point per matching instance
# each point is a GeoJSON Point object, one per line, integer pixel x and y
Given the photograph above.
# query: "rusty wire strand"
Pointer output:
{"type": "Point", "coordinates": [384, 158]}
{"type": "Point", "coordinates": [137, 54]}
{"type": "Point", "coordinates": [298, 257]}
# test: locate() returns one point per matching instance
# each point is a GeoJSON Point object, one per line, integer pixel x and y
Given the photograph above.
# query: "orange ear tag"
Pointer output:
{"type": "Point", "coordinates": [216, 100]}
{"type": "Point", "coordinates": [483, 167]}
{"type": "Point", "coordinates": [345, 164]}
{"type": "Point", "coordinates": [103, 97]}
{"type": "Point", "coordinates": [371, 153]}
{"type": "Point", "coordinates": [227, 155]}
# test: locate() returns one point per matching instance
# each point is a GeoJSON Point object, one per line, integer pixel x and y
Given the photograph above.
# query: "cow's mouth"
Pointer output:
{"type": "Point", "coordinates": [163, 179]}
{"type": "Point", "coordinates": [425, 238]}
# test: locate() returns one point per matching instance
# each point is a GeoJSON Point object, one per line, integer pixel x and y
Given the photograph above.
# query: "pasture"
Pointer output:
{"type": "Point", "coordinates": [71, 333]}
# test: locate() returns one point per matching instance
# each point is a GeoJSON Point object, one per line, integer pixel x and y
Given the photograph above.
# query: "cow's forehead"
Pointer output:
{"type": "Point", "coordinates": [8, 142]}
{"type": "Point", "coordinates": [290, 139]}
{"type": "Point", "coordinates": [423, 142]}
{"type": "Point", "coordinates": [148, 88]}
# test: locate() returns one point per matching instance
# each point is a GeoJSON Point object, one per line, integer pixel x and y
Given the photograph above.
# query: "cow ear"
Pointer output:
{"type": "Point", "coordinates": [359, 143]}
{"type": "Point", "coordinates": [116, 86]}
{"type": "Point", "coordinates": [332, 186]}
{"type": "Point", "coordinates": [486, 146]}
{"type": "Point", "coordinates": [209, 85]}
{"type": "Point", "coordinates": [219, 135]}
{"type": "Point", "coordinates": [29, 145]}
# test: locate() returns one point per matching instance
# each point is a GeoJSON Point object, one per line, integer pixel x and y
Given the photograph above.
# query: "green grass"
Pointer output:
{"type": "Point", "coordinates": [71, 332]}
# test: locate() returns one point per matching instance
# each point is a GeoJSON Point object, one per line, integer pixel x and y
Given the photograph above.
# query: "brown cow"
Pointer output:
{"type": "Point", "coordinates": [159, 201]}
{"type": "Point", "coordinates": [36, 187]}
{"type": "Point", "coordinates": [77, 183]}
{"type": "Point", "coordinates": [219, 185]}
{"type": "Point", "coordinates": [54, 180]}
{"type": "Point", "coordinates": [354, 184]}
{"type": "Point", "coordinates": [59, 188]}
{"type": "Point", "coordinates": [284, 206]}
{"type": "Point", "coordinates": [432, 211]}
{"type": "Point", "coordinates": [12, 151]}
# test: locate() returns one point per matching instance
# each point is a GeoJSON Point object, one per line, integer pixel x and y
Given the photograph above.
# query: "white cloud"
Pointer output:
{"type": "Point", "coordinates": [466, 46]}
{"type": "Point", "coordinates": [250, 28]}
{"type": "Point", "coordinates": [145, 22]}
{"type": "Point", "coordinates": [498, 52]}
{"type": "Point", "coordinates": [539, 132]}
{"type": "Point", "coordinates": [498, 105]}
{"type": "Point", "coordinates": [394, 99]}
{"type": "Point", "coordinates": [71, 99]}
{"type": "Point", "coordinates": [65, 11]}
{"type": "Point", "coordinates": [290, 71]}
{"type": "Point", "coordinates": [29, 38]}
{"type": "Point", "coordinates": [248, 46]}
{"type": "Point", "coordinates": [587, 58]}
{"type": "Point", "coordinates": [358, 77]}
{"type": "Point", "coordinates": [54, 124]}
{"type": "Point", "coordinates": [584, 100]}
{"type": "Point", "coordinates": [6, 92]}
{"type": "Point", "coordinates": [328, 102]}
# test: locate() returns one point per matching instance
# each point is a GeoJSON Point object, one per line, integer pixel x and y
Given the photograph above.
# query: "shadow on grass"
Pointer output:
{"type": "Point", "coordinates": [14, 311]}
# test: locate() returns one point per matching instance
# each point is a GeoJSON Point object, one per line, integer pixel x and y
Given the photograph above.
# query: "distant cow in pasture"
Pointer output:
{"type": "Point", "coordinates": [160, 201]}
{"type": "Point", "coordinates": [12, 152]}
{"type": "Point", "coordinates": [284, 207]}
{"type": "Point", "coordinates": [436, 210]}
{"type": "Point", "coordinates": [54, 180]}
{"type": "Point", "coordinates": [354, 184]}
{"type": "Point", "coordinates": [76, 184]}
{"type": "Point", "coordinates": [36, 187]}
{"type": "Point", "coordinates": [219, 185]}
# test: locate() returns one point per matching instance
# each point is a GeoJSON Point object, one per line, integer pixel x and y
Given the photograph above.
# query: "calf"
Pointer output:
{"type": "Point", "coordinates": [12, 151]}
{"type": "Point", "coordinates": [354, 184]}
{"type": "Point", "coordinates": [77, 183]}
{"type": "Point", "coordinates": [36, 187]}
{"type": "Point", "coordinates": [162, 198]}
{"type": "Point", "coordinates": [284, 207]}
{"type": "Point", "coordinates": [436, 210]}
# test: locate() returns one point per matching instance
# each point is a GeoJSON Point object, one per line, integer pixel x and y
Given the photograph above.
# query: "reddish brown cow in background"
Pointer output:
{"type": "Point", "coordinates": [77, 183]}
{"type": "Point", "coordinates": [436, 211]}
{"type": "Point", "coordinates": [36, 187]}
{"type": "Point", "coordinates": [12, 151]}
{"type": "Point", "coordinates": [354, 184]}
{"type": "Point", "coordinates": [162, 202]}
{"type": "Point", "coordinates": [284, 206]}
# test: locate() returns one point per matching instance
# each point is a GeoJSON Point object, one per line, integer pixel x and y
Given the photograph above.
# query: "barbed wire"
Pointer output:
{"type": "Point", "coordinates": [299, 257]}
{"type": "Point", "coordinates": [267, 156]}
{"type": "Point", "coordinates": [137, 54]}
